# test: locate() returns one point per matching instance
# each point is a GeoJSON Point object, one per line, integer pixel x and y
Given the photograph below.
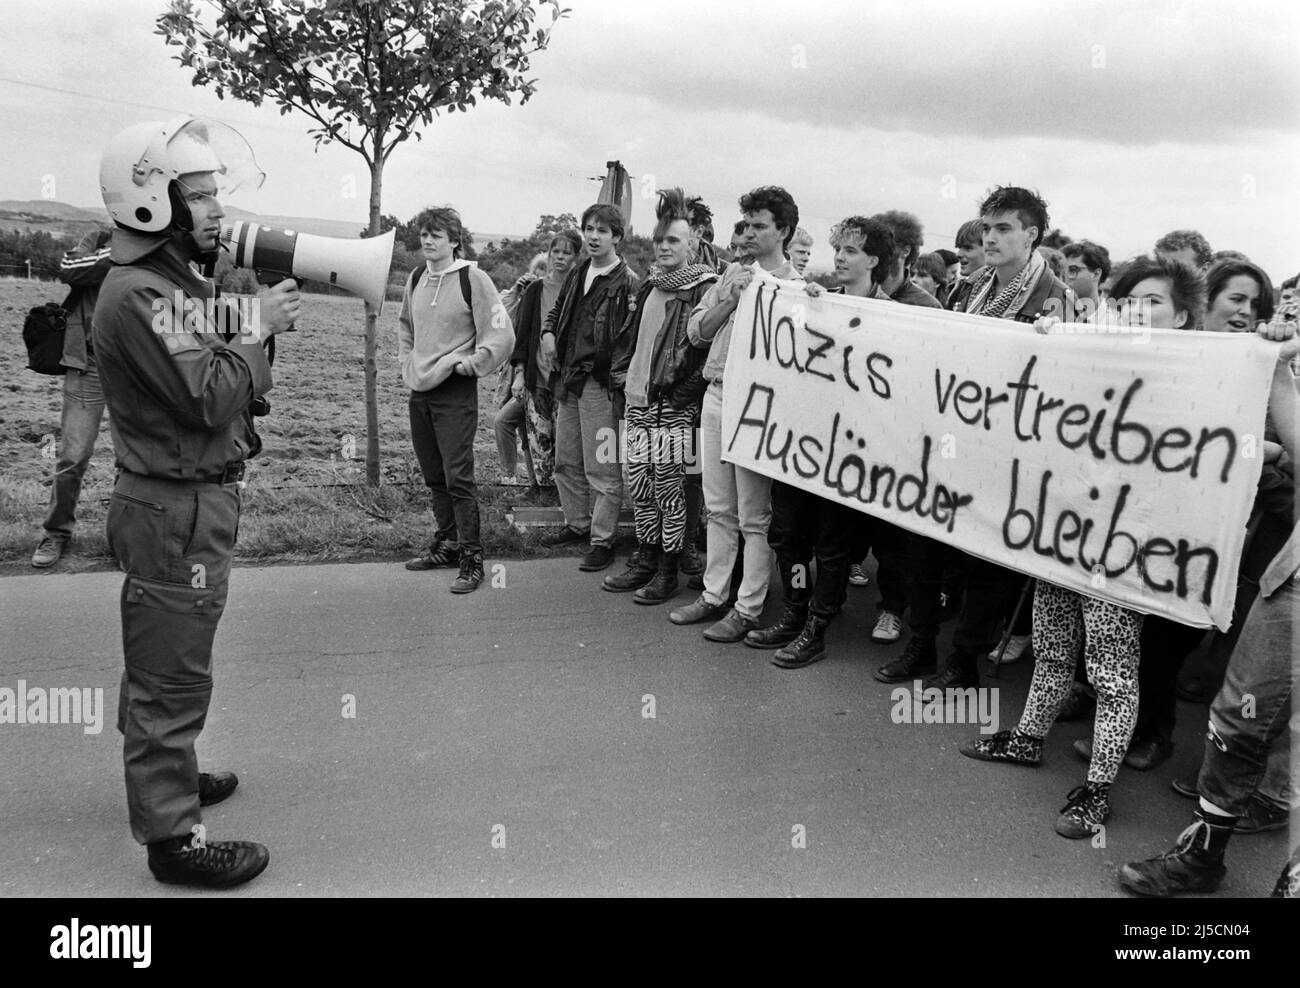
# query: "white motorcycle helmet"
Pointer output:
{"type": "Point", "coordinates": [138, 173]}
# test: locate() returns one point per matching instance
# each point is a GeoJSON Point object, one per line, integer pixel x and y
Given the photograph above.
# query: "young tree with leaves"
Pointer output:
{"type": "Point", "coordinates": [369, 74]}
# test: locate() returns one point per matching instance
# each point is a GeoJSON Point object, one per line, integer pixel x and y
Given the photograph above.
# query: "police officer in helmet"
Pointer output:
{"type": "Point", "coordinates": [178, 393]}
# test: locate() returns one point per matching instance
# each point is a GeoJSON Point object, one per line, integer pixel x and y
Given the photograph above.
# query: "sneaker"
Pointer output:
{"type": "Point", "coordinates": [694, 613]}
{"type": "Point", "coordinates": [216, 786]}
{"type": "Point", "coordinates": [564, 536]}
{"type": "Point", "coordinates": [888, 629]}
{"type": "Point", "coordinates": [1006, 746]}
{"type": "Point", "coordinates": [732, 628]}
{"type": "Point", "coordinates": [917, 660]}
{"type": "Point", "coordinates": [1087, 807]}
{"type": "Point", "coordinates": [1193, 864]}
{"type": "Point", "coordinates": [440, 554]}
{"type": "Point", "coordinates": [1146, 755]}
{"type": "Point", "coordinates": [598, 557]}
{"type": "Point", "coordinates": [48, 552]}
{"type": "Point", "coordinates": [213, 864]}
{"type": "Point", "coordinates": [1018, 646]}
{"type": "Point", "coordinates": [1261, 815]}
{"type": "Point", "coordinates": [1079, 705]}
{"type": "Point", "coordinates": [471, 573]}
{"type": "Point", "coordinates": [858, 576]}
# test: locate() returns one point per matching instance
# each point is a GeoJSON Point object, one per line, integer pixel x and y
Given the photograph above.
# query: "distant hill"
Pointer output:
{"type": "Point", "coordinates": [45, 215]}
{"type": "Point", "coordinates": [60, 219]}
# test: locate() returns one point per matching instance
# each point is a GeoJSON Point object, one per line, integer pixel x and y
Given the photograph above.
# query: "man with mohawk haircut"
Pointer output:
{"type": "Point", "coordinates": [661, 375]}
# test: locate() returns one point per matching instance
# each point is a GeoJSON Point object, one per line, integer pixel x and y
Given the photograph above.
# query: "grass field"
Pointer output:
{"type": "Point", "coordinates": [306, 499]}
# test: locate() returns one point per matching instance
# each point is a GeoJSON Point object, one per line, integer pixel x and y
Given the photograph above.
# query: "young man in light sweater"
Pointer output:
{"type": "Point", "coordinates": [452, 330]}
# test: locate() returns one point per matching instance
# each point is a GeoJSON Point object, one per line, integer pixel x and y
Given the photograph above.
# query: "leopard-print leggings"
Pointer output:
{"type": "Point", "coordinates": [1064, 623]}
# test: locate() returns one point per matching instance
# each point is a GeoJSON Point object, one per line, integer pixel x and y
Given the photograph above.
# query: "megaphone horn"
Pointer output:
{"type": "Point", "coordinates": [358, 266]}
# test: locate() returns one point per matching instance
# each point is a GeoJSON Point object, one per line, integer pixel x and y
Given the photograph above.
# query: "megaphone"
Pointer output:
{"type": "Point", "coordinates": [359, 266]}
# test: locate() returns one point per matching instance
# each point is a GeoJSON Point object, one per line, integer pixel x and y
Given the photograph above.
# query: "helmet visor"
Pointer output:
{"type": "Point", "coordinates": [203, 145]}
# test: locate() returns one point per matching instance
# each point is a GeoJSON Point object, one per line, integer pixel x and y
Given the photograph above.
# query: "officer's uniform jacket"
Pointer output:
{"type": "Point", "coordinates": [177, 392]}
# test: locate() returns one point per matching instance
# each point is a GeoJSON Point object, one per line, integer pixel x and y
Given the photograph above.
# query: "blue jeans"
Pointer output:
{"type": "Point", "coordinates": [83, 408]}
{"type": "Point", "coordinates": [1253, 707]}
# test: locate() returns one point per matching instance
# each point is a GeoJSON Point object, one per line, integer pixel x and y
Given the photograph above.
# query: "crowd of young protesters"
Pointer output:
{"type": "Point", "coordinates": [595, 346]}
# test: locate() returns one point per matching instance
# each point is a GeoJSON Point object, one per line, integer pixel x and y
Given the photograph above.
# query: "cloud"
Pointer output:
{"type": "Point", "coordinates": [1189, 118]}
{"type": "Point", "coordinates": [1134, 73]}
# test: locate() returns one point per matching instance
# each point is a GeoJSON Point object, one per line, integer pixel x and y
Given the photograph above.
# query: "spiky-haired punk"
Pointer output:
{"type": "Point", "coordinates": [701, 214]}
{"type": "Point", "coordinates": [672, 207]}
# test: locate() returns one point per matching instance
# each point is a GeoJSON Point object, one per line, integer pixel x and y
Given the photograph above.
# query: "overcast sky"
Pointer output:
{"type": "Point", "coordinates": [1131, 118]}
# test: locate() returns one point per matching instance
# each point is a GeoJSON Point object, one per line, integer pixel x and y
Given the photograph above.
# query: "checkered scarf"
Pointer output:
{"type": "Point", "coordinates": [683, 277]}
{"type": "Point", "coordinates": [984, 303]}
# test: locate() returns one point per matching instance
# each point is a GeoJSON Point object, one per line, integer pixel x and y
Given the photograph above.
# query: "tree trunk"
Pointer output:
{"type": "Point", "coordinates": [372, 339]}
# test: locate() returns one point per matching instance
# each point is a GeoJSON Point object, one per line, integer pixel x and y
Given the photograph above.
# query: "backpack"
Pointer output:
{"type": "Point", "coordinates": [44, 331]}
{"type": "Point", "coordinates": [465, 290]}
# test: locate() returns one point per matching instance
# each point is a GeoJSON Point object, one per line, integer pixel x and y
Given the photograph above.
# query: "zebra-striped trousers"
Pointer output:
{"type": "Point", "coordinates": [659, 441]}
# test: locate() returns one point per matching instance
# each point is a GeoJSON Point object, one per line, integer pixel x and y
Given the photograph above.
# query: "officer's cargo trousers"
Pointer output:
{"type": "Point", "coordinates": [174, 540]}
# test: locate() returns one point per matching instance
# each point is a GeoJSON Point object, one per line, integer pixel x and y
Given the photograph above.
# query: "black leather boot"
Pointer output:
{"type": "Point", "coordinates": [786, 630]}
{"type": "Point", "coordinates": [1194, 864]}
{"type": "Point", "coordinates": [917, 660]}
{"type": "Point", "coordinates": [664, 585]}
{"type": "Point", "coordinates": [641, 569]}
{"type": "Point", "coordinates": [807, 648]}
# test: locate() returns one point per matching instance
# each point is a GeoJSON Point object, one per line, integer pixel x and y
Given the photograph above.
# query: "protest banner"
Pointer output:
{"type": "Point", "coordinates": [1118, 463]}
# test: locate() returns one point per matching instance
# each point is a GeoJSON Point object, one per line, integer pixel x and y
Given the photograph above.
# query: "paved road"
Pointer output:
{"type": "Point", "coordinates": [516, 715]}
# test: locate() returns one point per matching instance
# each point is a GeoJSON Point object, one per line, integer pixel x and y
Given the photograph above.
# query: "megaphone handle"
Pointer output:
{"type": "Point", "coordinates": [265, 276]}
